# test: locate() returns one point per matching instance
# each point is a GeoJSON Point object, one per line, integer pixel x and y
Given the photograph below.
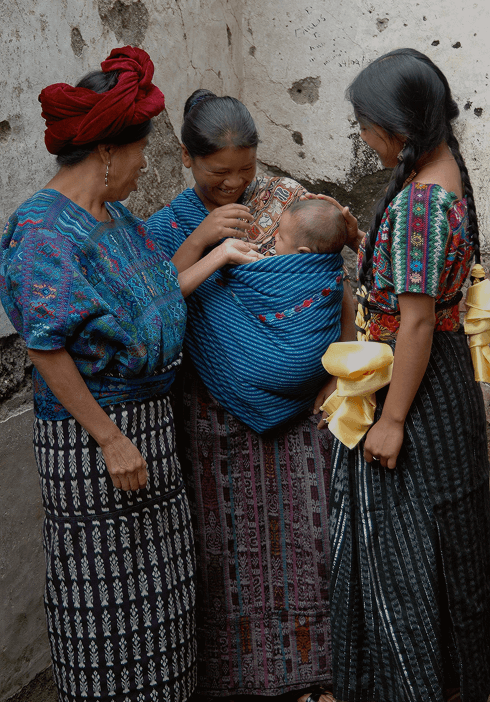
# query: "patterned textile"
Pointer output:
{"type": "Point", "coordinates": [260, 506]}
{"type": "Point", "coordinates": [412, 548]}
{"type": "Point", "coordinates": [423, 246]}
{"type": "Point", "coordinates": [103, 290]}
{"type": "Point", "coordinates": [267, 198]}
{"type": "Point", "coordinates": [410, 594]}
{"type": "Point", "coordinates": [288, 305]}
{"type": "Point", "coordinates": [120, 592]}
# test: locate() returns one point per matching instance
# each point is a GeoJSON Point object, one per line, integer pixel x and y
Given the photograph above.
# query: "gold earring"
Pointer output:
{"type": "Point", "coordinates": [106, 179]}
{"type": "Point", "coordinates": [400, 154]}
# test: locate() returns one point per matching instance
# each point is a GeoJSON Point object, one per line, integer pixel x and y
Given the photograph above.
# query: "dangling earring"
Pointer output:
{"type": "Point", "coordinates": [106, 179]}
{"type": "Point", "coordinates": [399, 156]}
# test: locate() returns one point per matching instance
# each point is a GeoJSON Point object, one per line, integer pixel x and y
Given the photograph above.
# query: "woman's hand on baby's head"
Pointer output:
{"type": "Point", "coordinates": [236, 252]}
{"type": "Point", "coordinates": [354, 235]}
{"type": "Point", "coordinates": [232, 220]}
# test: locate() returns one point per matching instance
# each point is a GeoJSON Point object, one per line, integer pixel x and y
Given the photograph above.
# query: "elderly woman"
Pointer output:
{"type": "Point", "coordinates": [99, 306]}
{"type": "Point", "coordinates": [257, 467]}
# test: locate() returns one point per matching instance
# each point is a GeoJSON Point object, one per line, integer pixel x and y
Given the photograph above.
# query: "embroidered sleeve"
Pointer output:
{"type": "Point", "coordinates": [47, 293]}
{"type": "Point", "coordinates": [419, 238]}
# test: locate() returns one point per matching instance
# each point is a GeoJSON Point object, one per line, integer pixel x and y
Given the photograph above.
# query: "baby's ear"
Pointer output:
{"type": "Point", "coordinates": [304, 249]}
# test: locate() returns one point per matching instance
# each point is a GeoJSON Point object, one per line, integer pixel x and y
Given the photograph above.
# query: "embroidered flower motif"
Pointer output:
{"type": "Point", "coordinates": [416, 265]}
{"type": "Point", "coordinates": [374, 331]}
{"type": "Point", "coordinates": [279, 315]}
{"type": "Point", "coordinates": [417, 239]}
{"type": "Point", "coordinates": [174, 225]}
{"type": "Point", "coordinates": [326, 291]}
{"type": "Point", "coordinates": [262, 318]}
{"type": "Point", "coordinates": [418, 224]}
{"type": "Point", "coordinates": [416, 278]}
{"type": "Point", "coordinates": [150, 244]}
{"type": "Point", "coordinates": [307, 303]}
{"type": "Point", "coordinates": [389, 321]}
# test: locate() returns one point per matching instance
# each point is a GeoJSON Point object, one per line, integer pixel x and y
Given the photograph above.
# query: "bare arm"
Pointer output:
{"type": "Point", "coordinates": [124, 462]}
{"type": "Point", "coordinates": [231, 251]}
{"type": "Point", "coordinates": [219, 224]}
{"type": "Point", "coordinates": [347, 333]}
{"type": "Point", "coordinates": [412, 352]}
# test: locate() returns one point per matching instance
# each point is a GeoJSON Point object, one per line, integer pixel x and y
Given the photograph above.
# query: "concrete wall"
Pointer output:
{"type": "Point", "coordinates": [290, 62]}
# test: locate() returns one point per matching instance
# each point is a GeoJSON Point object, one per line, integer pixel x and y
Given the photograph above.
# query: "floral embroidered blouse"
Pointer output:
{"type": "Point", "coordinates": [105, 291]}
{"type": "Point", "coordinates": [423, 246]}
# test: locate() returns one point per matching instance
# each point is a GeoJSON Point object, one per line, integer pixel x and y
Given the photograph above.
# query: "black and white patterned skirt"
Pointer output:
{"type": "Point", "coordinates": [119, 594]}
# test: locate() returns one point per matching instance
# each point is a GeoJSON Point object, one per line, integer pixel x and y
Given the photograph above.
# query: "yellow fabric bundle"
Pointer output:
{"type": "Point", "coordinates": [477, 323]}
{"type": "Point", "coordinates": [361, 368]}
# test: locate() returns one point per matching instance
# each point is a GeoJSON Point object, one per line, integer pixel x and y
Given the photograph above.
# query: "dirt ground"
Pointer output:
{"type": "Point", "coordinates": [41, 689]}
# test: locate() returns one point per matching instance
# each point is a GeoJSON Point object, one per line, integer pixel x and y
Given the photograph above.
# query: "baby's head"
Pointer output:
{"type": "Point", "coordinates": [311, 226]}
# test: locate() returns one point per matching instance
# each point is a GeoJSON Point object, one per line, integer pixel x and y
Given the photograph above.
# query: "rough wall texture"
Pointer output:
{"type": "Point", "coordinates": [290, 62]}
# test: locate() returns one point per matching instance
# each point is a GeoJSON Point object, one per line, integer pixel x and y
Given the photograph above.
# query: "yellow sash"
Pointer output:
{"type": "Point", "coordinates": [361, 368]}
{"type": "Point", "coordinates": [477, 323]}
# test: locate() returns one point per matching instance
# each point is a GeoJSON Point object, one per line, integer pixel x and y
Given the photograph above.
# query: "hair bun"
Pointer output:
{"type": "Point", "coordinates": [197, 97]}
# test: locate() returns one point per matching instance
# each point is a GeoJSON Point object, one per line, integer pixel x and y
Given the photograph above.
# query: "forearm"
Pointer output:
{"type": "Point", "coordinates": [411, 357]}
{"type": "Point", "coordinates": [348, 315]}
{"type": "Point", "coordinates": [64, 380]}
{"type": "Point", "coordinates": [355, 240]}
{"type": "Point", "coordinates": [196, 274]}
{"type": "Point", "coordinates": [189, 253]}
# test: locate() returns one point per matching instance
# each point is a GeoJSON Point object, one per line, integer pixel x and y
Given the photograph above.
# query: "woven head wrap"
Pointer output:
{"type": "Point", "coordinates": [80, 116]}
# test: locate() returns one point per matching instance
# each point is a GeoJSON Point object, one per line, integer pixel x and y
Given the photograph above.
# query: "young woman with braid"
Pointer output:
{"type": "Point", "coordinates": [410, 505]}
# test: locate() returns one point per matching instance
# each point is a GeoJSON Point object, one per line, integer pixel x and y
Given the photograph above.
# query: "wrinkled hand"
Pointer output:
{"type": "Point", "coordinates": [325, 392]}
{"type": "Point", "coordinates": [383, 442]}
{"type": "Point", "coordinates": [223, 222]}
{"type": "Point", "coordinates": [353, 233]}
{"type": "Point", "coordinates": [125, 464]}
{"type": "Point", "coordinates": [236, 251]}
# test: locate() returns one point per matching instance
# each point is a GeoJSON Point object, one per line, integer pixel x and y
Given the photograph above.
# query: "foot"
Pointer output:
{"type": "Point", "coordinates": [317, 697]}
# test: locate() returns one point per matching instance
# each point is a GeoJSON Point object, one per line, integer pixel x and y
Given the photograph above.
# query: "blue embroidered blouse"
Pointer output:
{"type": "Point", "coordinates": [105, 291]}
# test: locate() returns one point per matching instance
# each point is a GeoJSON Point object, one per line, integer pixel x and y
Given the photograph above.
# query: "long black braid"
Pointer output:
{"type": "Point", "coordinates": [405, 94]}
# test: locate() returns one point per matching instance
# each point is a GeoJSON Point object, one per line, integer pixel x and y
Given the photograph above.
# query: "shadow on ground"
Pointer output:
{"type": "Point", "coordinates": [41, 689]}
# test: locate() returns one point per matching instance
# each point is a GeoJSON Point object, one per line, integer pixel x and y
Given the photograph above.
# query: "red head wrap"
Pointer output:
{"type": "Point", "coordinates": [80, 116]}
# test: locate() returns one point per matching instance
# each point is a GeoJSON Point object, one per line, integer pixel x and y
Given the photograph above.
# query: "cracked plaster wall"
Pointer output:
{"type": "Point", "coordinates": [290, 62]}
{"type": "Point", "coordinates": [318, 47]}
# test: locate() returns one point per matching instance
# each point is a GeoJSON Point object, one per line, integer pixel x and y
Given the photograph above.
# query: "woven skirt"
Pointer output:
{"type": "Point", "coordinates": [411, 549]}
{"type": "Point", "coordinates": [260, 508]}
{"type": "Point", "coordinates": [120, 590]}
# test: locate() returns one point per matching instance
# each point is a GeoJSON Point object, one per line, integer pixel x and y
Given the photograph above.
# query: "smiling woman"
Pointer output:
{"type": "Point", "coordinates": [223, 177]}
{"type": "Point", "coordinates": [256, 467]}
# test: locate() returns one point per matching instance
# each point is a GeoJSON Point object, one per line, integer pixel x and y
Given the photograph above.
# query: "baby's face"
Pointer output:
{"type": "Point", "coordinates": [285, 236]}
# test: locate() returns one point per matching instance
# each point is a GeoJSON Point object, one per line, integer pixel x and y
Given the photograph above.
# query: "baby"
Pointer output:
{"type": "Point", "coordinates": [311, 226]}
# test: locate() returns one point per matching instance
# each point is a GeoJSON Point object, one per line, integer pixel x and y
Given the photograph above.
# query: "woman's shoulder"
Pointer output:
{"type": "Point", "coordinates": [421, 195]}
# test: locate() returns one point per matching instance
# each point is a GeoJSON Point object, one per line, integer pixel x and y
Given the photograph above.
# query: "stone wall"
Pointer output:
{"type": "Point", "coordinates": [290, 62]}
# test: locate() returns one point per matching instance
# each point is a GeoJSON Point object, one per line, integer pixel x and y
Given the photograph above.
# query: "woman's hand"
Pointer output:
{"type": "Point", "coordinates": [227, 221]}
{"type": "Point", "coordinates": [354, 234]}
{"type": "Point", "coordinates": [236, 252]}
{"type": "Point", "coordinates": [325, 392]}
{"type": "Point", "coordinates": [231, 251]}
{"type": "Point", "coordinates": [125, 464]}
{"type": "Point", "coordinates": [383, 442]}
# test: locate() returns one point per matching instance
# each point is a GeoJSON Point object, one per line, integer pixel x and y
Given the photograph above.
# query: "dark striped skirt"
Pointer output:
{"type": "Point", "coordinates": [410, 590]}
{"type": "Point", "coordinates": [120, 591]}
{"type": "Point", "coordinates": [260, 507]}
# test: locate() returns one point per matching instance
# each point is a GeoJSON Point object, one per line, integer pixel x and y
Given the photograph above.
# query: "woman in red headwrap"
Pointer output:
{"type": "Point", "coordinates": [100, 308]}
